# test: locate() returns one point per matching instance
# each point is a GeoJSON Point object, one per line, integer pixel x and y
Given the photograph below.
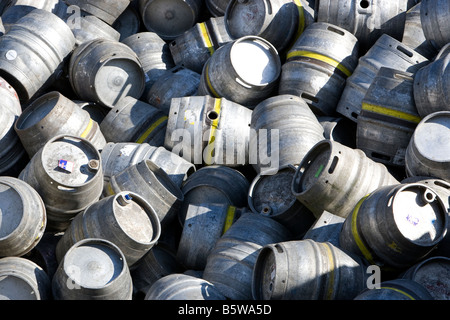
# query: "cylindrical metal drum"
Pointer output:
{"type": "Point", "coordinates": [388, 117]}
{"type": "Point", "coordinates": [119, 156]}
{"type": "Point", "coordinates": [396, 289]}
{"type": "Point", "coordinates": [207, 130]}
{"type": "Point", "coordinates": [326, 229]}
{"type": "Point", "coordinates": [245, 71]}
{"type": "Point", "coordinates": [270, 195]}
{"type": "Point", "coordinates": [217, 8]}
{"type": "Point", "coordinates": [432, 83]}
{"type": "Point", "coordinates": [180, 286]}
{"type": "Point", "coordinates": [126, 219]}
{"type": "Point", "coordinates": [203, 226]}
{"type": "Point", "coordinates": [22, 279]}
{"type": "Point", "coordinates": [128, 23]}
{"type": "Point", "coordinates": [284, 128]}
{"type": "Point", "coordinates": [169, 18]}
{"type": "Point", "coordinates": [428, 151]}
{"type": "Point", "coordinates": [366, 19]}
{"type": "Point", "coordinates": [106, 10]}
{"type": "Point", "coordinates": [96, 111]}
{"type": "Point", "coordinates": [10, 99]}
{"type": "Point", "coordinates": [67, 173]}
{"type": "Point", "coordinates": [230, 264]}
{"type": "Point", "coordinates": [53, 114]}
{"type": "Point", "coordinates": [153, 53]}
{"type": "Point", "coordinates": [23, 217]}
{"type": "Point", "coordinates": [195, 46]}
{"type": "Point", "coordinates": [386, 52]}
{"type": "Point", "coordinates": [414, 220]}
{"type": "Point", "coordinates": [435, 22]}
{"type": "Point", "coordinates": [175, 83]}
{"type": "Point", "coordinates": [106, 71]}
{"type": "Point", "coordinates": [152, 183]}
{"type": "Point", "coordinates": [32, 52]}
{"type": "Point", "coordinates": [43, 254]}
{"type": "Point", "coordinates": [307, 270]}
{"type": "Point", "coordinates": [334, 177]}
{"type": "Point", "coordinates": [93, 269]}
{"type": "Point", "coordinates": [317, 66]}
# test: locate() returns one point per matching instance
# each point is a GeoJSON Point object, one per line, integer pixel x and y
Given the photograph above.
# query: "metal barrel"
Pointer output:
{"type": "Point", "coordinates": [428, 152]}
{"type": "Point", "coordinates": [366, 19]}
{"type": "Point", "coordinates": [270, 195]}
{"type": "Point", "coordinates": [153, 53]}
{"type": "Point", "coordinates": [195, 46]}
{"type": "Point", "coordinates": [153, 184]}
{"type": "Point", "coordinates": [414, 222]}
{"type": "Point", "coordinates": [284, 128]}
{"type": "Point", "coordinates": [208, 130]}
{"type": "Point", "coordinates": [169, 19]}
{"type": "Point", "coordinates": [67, 174]}
{"type": "Point", "coordinates": [214, 184]}
{"type": "Point", "coordinates": [217, 8]}
{"type": "Point", "coordinates": [96, 111]}
{"type": "Point", "coordinates": [133, 120]}
{"type": "Point", "coordinates": [307, 270]}
{"type": "Point", "coordinates": [230, 264]}
{"type": "Point", "coordinates": [323, 52]}
{"type": "Point", "coordinates": [203, 226]}
{"type": "Point", "coordinates": [32, 52]}
{"type": "Point", "coordinates": [435, 22]}
{"type": "Point", "coordinates": [386, 52]}
{"type": "Point", "coordinates": [326, 229]}
{"type": "Point", "coordinates": [432, 273]}
{"type": "Point", "coordinates": [106, 10]}
{"type": "Point", "coordinates": [431, 84]}
{"type": "Point", "coordinates": [334, 177]}
{"type": "Point", "coordinates": [277, 21]}
{"type": "Point", "coordinates": [43, 254]}
{"type": "Point", "coordinates": [175, 83]}
{"type": "Point", "coordinates": [413, 35]}
{"type": "Point", "coordinates": [128, 23]}
{"type": "Point", "coordinates": [10, 99]}
{"type": "Point", "coordinates": [388, 117]}
{"type": "Point", "coordinates": [339, 129]}
{"type": "Point", "coordinates": [93, 269]}
{"type": "Point", "coordinates": [105, 72]}
{"type": "Point", "coordinates": [396, 289]}
{"type": "Point", "coordinates": [126, 219]}
{"type": "Point", "coordinates": [118, 156]}
{"type": "Point", "coordinates": [180, 286]}
{"type": "Point", "coordinates": [22, 279]}
{"type": "Point", "coordinates": [23, 217]}
{"type": "Point", "coordinates": [245, 71]}
{"type": "Point", "coordinates": [51, 115]}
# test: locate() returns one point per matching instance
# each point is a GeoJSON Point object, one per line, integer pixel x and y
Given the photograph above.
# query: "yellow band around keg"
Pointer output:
{"type": "Point", "coordinates": [229, 218]}
{"type": "Point", "coordinates": [212, 132]}
{"type": "Point", "coordinates": [399, 291]}
{"type": "Point", "coordinates": [150, 129]}
{"type": "Point", "coordinates": [391, 112]}
{"type": "Point", "coordinates": [366, 253]}
{"type": "Point", "coordinates": [329, 295]}
{"type": "Point", "coordinates": [206, 37]}
{"type": "Point", "coordinates": [301, 18]}
{"type": "Point", "coordinates": [320, 57]}
{"type": "Point", "coordinates": [208, 82]}
{"type": "Point", "coordinates": [88, 129]}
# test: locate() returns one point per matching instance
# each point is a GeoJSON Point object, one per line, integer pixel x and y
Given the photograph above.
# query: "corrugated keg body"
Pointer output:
{"type": "Point", "coordinates": [395, 226]}
{"type": "Point", "coordinates": [133, 120]}
{"type": "Point", "coordinates": [334, 177]}
{"type": "Point", "coordinates": [432, 84]}
{"type": "Point", "coordinates": [33, 52]}
{"type": "Point", "coordinates": [51, 115]}
{"type": "Point", "coordinates": [106, 10]}
{"type": "Point", "coordinates": [245, 71]}
{"type": "Point", "coordinates": [396, 289]}
{"type": "Point", "coordinates": [428, 152]}
{"type": "Point", "coordinates": [118, 156]}
{"type": "Point", "coordinates": [388, 117]}
{"type": "Point", "coordinates": [435, 22]}
{"type": "Point", "coordinates": [67, 174]}
{"type": "Point", "coordinates": [213, 130]}
{"type": "Point", "coordinates": [386, 52]}
{"type": "Point", "coordinates": [307, 270]}
{"type": "Point", "coordinates": [105, 72]}
{"type": "Point", "coordinates": [317, 66]}
{"type": "Point", "coordinates": [284, 128]}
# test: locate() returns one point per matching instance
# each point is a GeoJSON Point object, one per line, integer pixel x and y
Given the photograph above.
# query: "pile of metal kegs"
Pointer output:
{"type": "Point", "coordinates": [225, 149]}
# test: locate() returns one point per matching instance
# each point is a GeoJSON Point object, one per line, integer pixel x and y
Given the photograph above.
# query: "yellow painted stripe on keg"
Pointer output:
{"type": "Point", "coordinates": [206, 37]}
{"type": "Point", "coordinates": [208, 82]}
{"type": "Point", "coordinates": [355, 233]}
{"type": "Point", "coordinates": [399, 291]}
{"type": "Point", "coordinates": [301, 18]}
{"type": "Point", "coordinates": [229, 218]}
{"type": "Point", "coordinates": [320, 57]}
{"type": "Point", "coordinates": [109, 189]}
{"type": "Point", "coordinates": [330, 287]}
{"type": "Point", "coordinates": [88, 129]}
{"type": "Point", "coordinates": [390, 112]}
{"type": "Point", "coordinates": [212, 132]}
{"type": "Point", "coordinates": [150, 130]}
